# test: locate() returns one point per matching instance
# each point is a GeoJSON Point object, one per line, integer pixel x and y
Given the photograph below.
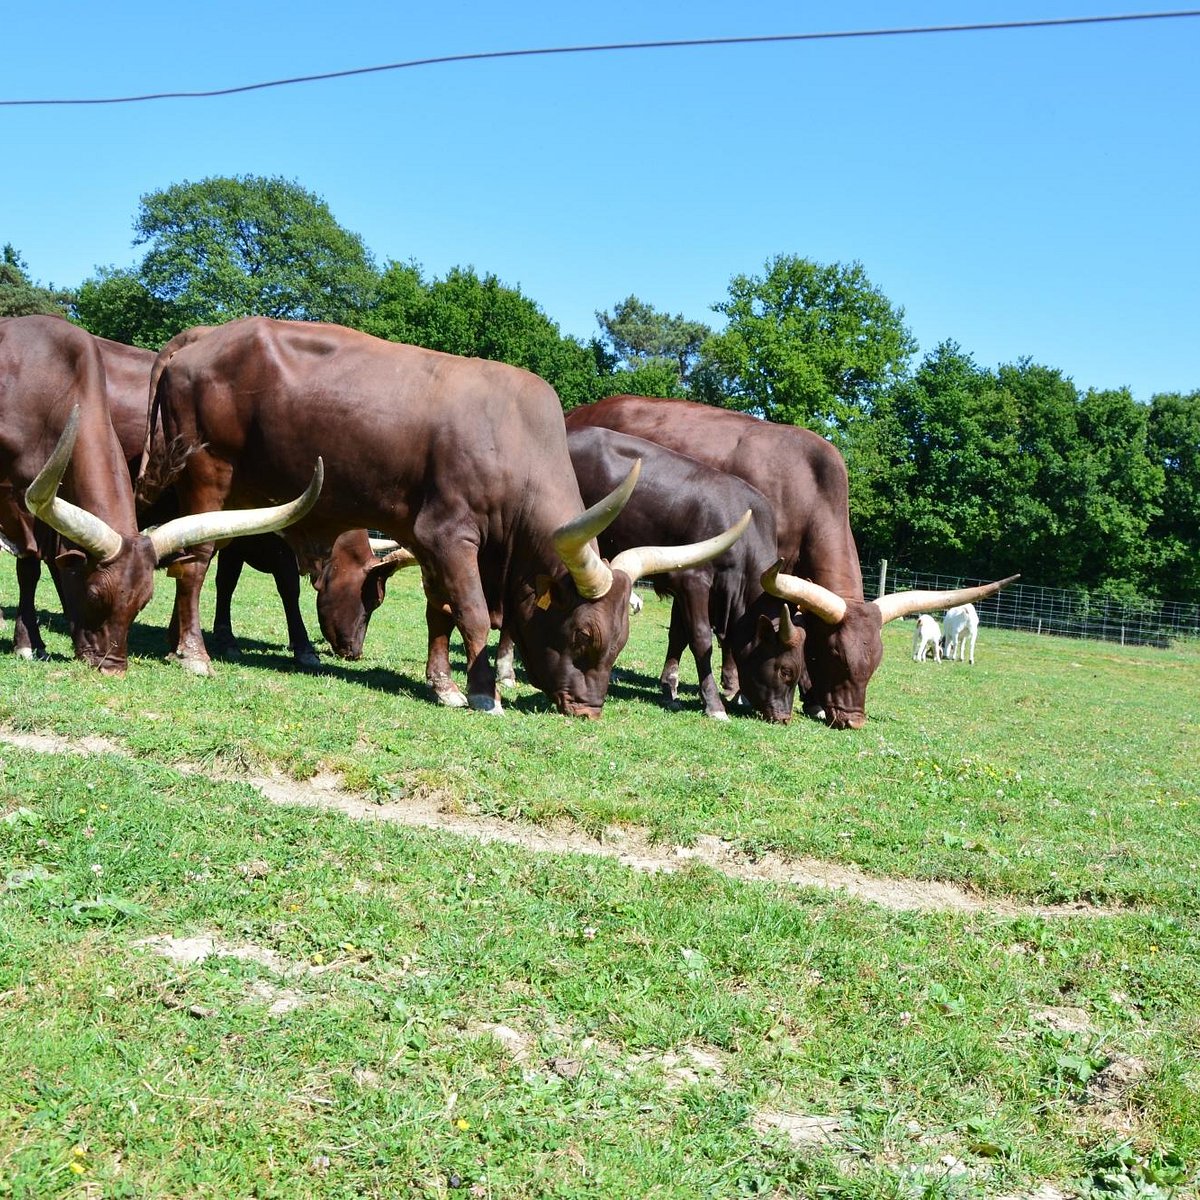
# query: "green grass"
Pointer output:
{"type": "Point", "coordinates": [1051, 771]}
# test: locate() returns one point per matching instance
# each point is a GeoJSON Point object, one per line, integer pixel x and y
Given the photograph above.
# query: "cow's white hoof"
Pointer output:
{"type": "Point", "coordinates": [507, 681]}
{"type": "Point", "coordinates": [451, 699]}
{"type": "Point", "coordinates": [717, 716]}
{"type": "Point", "coordinates": [486, 704]}
{"type": "Point", "coordinates": [26, 653]}
{"type": "Point", "coordinates": [196, 666]}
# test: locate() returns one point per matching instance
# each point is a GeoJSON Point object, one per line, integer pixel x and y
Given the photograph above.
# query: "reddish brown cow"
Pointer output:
{"type": "Point", "coordinates": [464, 461]}
{"type": "Point", "coordinates": [349, 579]}
{"type": "Point", "coordinates": [804, 477]}
{"type": "Point", "coordinates": [52, 389]}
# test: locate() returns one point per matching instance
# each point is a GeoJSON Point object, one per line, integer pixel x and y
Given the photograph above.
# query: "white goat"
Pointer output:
{"type": "Point", "coordinates": [960, 629]}
{"type": "Point", "coordinates": [927, 633]}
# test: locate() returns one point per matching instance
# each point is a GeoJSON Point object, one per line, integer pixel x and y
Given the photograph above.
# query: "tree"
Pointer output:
{"type": "Point", "coordinates": [935, 471]}
{"type": "Point", "coordinates": [118, 305]}
{"type": "Point", "coordinates": [233, 247]}
{"type": "Point", "coordinates": [1120, 488]}
{"type": "Point", "coordinates": [1174, 433]}
{"type": "Point", "coordinates": [478, 316]}
{"type": "Point", "coordinates": [19, 295]}
{"type": "Point", "coordinates": [805, 344]}
{"type": "Point", "coordinates": [651, 346]}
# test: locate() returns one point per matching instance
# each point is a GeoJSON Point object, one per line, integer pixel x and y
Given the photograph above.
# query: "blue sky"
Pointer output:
{"type": "Point", "coordinates": [1024, 193]}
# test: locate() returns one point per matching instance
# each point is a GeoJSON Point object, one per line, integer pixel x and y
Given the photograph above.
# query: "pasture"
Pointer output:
{"type": "Point", "coordinates": [440, 953]}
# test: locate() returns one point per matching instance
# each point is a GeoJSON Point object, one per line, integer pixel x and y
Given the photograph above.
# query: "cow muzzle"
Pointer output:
{"type": "Point", "coordinates": [570, 707]}
{"type": "Point", "coordinates": [837, 718]}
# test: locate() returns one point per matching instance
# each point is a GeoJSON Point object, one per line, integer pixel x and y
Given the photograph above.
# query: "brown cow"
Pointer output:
{"type": "Point", "coordinates": [52, 389]}
{"type": "Point", "coordinates": [804, 477]}
{"type": "Point", "coordinates": [462, 460]}
{"type": "Point", "coordinates": [349, 580]}
{"type": "Point", "coordinates": [677, 497]}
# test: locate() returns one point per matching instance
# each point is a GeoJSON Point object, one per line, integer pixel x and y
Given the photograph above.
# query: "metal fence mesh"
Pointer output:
{"type": "Point", "coordinates": [1059, 611]}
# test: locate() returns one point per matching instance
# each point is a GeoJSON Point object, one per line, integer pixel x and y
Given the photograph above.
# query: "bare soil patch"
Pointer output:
{"type": "Point", "coordinates": [632, 848]}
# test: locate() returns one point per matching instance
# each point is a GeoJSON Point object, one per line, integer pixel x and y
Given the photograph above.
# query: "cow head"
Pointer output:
{"type": "Point", "coordinates": [769, 653]}
{"type": "Point", "coordinates": [570, 628]}
{"type": "Point", "coordinates": [844, 640]}
{"type": "Point", "coordinates": [351, 585]}
{"type": "Point", "coordinates": [108, 577]}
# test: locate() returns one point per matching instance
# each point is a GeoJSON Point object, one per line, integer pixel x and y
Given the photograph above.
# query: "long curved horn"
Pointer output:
{"type": "Point", "coordinates": [809, 596]}
{"type": "Point", "coordinates": [383, 545]}
{"type": "Point", "coordinates": [903, 604]}
{"type": "Point", "coordinates": [96, 536]}
{"type": "Point", "coordinates": [590, 572]}
{"type": "Point", "coordinates": [649, 560]}
{"type": "Point", "coordinates": [210, 526]}
{"type": "Point", "coordinates": [399, 558]}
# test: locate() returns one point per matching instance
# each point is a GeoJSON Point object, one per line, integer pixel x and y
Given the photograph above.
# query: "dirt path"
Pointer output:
{"type": "Point", "coordinates": [630, 847]}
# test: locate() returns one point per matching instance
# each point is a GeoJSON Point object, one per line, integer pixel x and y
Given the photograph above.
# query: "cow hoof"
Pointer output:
{"type": "Point", "coordinates": [27, 654]}
{"type": "Point", "coordinates": [717, 716]}
{"type": "Point", "coordinates": [448, 699]}
{"type": "Point", "coordinates": [487, 704]}
{"type": "Point", "coordinates": [509, 681]}
{"type": "Point", "coordinates": [308, 660]}
{"type": "Point", "coordinates": [193, 666]}
{"type": "Point", "coordinates": [816, 711]}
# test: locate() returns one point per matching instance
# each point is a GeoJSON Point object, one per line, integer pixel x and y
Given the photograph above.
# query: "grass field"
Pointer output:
{"type": "Point", "coordinates": [367, 1008]}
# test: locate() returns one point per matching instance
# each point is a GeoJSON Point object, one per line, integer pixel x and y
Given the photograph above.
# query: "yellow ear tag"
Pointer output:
{"type": "Point", "coordinates": [543, 601]}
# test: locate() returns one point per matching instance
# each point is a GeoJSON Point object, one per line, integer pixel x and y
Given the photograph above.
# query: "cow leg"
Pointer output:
{"type": "Point", "coordinates": [287, 584]}
{"type": "Point", "coordinates": [187, 639]}
{"type": "Point", "coordinates": [506, 653]}
{"type": "Point", "coordinates": [677, 639]}
{"type": "Point", "coordinates": [27, 638]}
{"type": "Point", "coordinates": [730, 687]}
{"type": "Point", "coordinates": [701, 638]}
{"type": "Point", "coordinates": [229, 571]}
{"type": "Point", "coordinates": [971, 637]}
{"type": "Point", "coordinates": [437, 664]}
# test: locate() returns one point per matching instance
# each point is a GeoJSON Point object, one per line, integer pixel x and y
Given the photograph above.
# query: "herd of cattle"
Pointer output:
{"type": "Point", "coordinates": [114, 460]}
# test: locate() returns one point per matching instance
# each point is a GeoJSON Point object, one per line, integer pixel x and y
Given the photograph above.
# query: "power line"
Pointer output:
{"type": "Point", "coordinates": [678, 43]}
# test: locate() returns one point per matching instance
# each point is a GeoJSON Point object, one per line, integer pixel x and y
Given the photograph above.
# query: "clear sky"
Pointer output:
{"type": "Point", "coordinates": [1023, 193]}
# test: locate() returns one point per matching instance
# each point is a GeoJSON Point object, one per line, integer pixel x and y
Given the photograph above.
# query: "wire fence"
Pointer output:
{"type": "Point", "coordinates": [1062, 612]}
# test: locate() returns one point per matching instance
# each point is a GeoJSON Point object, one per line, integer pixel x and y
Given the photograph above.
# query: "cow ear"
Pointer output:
{"type": "Point", "coordinates": [69, 558]}
{"type": "Point", "coordinates": [766, 631]}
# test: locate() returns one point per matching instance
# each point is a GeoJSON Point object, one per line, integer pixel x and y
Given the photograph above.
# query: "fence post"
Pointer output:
{"type": "Point", "coordinates": [882, 576]}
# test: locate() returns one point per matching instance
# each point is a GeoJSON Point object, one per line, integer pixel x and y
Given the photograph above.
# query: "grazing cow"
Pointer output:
{"type": "Point", "coordinates": [678, 498]}
{"type": "Point", "coordinates": [52, 391]}
{"type": "Point", "coordinates": [961, 628]}
{"type": "Point", "coordinates": [463, 461]}
{"type": "Point", "coordinates": [804, 478]}
{"type": "Point", "coordinates": [349, 582]}
{"type": "Point", "coordinates": [927, 636]}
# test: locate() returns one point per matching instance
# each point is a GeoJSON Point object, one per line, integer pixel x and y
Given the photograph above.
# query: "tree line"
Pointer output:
{"type": "Point", "coordinates": [954, 467]}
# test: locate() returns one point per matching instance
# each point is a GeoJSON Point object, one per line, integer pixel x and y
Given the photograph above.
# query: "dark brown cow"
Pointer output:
{"type": "Point", "coordinates": [461, 460]}
{"type": "Point", "coordinates": [804, 477]}
{"type": "Point", "coordinates": [52, 390]}
{"type": "Point", "coordinates": [677, 498]}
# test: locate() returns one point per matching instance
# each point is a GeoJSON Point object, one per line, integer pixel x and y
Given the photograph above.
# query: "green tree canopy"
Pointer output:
{"type": "Point", "coordinates": [478, 316]}
{"type": "Point", "coordinates": [1174, 432]}
{"type": "Point", "coordinates": [118, 305]}
{"type": "Point", "coordinates": [805, 344]}
{"type": "Point", "coordinates": [650, 345]}
{"type": "Point", "coordinates": [20, 296]}
{"type": "Point", "coordinates": [233, 247]}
